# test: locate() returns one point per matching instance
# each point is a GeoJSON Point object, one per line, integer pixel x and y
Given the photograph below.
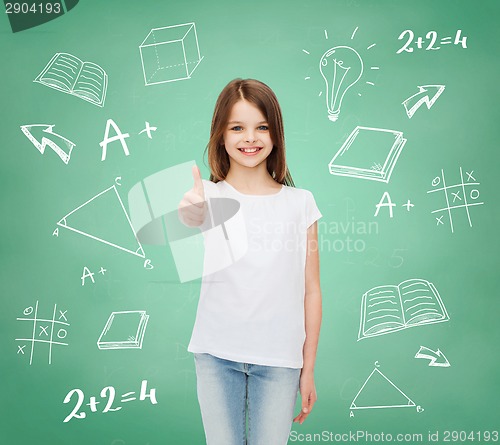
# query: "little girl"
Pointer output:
{"type": "Point", "coordinates": [258, 320]}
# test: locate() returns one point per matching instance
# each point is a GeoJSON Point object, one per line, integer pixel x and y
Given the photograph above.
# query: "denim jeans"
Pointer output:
{"type": "Point", "coordinates": [230, 391]}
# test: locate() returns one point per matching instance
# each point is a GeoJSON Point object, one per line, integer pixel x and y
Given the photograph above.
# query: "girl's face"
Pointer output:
{"type": "Point", "coordinates": [246, 136]}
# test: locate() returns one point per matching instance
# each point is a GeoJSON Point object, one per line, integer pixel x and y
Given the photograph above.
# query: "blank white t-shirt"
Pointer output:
{"type": "Point", "coordinates": [252, 311]}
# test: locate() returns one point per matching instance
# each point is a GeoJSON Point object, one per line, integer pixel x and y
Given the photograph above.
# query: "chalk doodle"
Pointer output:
{"type": "Point", "coordinates": [386, 201]}
{"type": "Point", "coordinates": [148, 130]}
{"type": "Point", "coordinates": [436, 358]}
{"type": "Point", "coordinates": [432, 36]}
{"type": "Point", "coordinates": [413, 103]}
{"type": "Point", "coordinates": [124, 330]}
{"type": "Point", "coordinates": [44, 331]}
{"type": "Point", "coordinates": [341, 67]}
{"type": "Point", "coordinates": [460, 195]}
{"type": "Point", "coordinates": [88, 274]}
{"type": "Point", "coordinates": [386, 309]}
{"type": "Point", "coordinates": [170, 53]}
{"type": "Point", "coordinates": [368, 153]}
{"type": "Point", "coordinates": [42, 135]}
{"type": "Point", "coordinates": [109, 394]}
{"type": "Point", "coordinates": [120, 136]}
{"type": "Point", "coordinates": [94, 210]}
{"type": "Point", "coordinates": [380, 392]}
{"type": "Point", "coordinates": [69, 74]}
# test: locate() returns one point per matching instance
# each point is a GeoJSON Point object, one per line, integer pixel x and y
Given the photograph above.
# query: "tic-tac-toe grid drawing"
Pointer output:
{"type": "Point", "coordinates": [457, 197]}
{"type": "Point", "coordinates": [42, 332]}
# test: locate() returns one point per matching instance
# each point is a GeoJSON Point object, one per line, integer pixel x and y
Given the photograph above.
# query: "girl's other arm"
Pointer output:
{"type": "Point", "coordinates": [313, 312]}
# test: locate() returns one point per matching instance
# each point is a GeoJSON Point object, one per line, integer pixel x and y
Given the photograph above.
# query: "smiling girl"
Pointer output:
{"type": "Point", "coordinates": [257, 325]}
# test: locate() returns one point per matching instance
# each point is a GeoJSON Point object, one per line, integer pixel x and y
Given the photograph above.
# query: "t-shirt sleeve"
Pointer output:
{"type": "Point", "coordinates": [312, 211]}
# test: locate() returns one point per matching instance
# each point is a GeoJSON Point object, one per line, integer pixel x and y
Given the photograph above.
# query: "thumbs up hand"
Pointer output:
{"type": "Point", "coordinates": [193, 207]}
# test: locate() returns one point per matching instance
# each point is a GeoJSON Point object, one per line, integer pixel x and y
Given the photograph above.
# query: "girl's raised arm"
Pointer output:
{"type": "Point", "coordinates": [193, 207]}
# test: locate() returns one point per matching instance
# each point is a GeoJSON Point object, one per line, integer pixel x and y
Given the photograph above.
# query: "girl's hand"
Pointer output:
{"type": "Point", "coordinates": [308, 394]}
{"type": "Point", "coordinates": [192, 208]}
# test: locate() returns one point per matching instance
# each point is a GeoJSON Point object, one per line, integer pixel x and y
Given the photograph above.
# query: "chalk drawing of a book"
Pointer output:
{"type": "Point", "coordinates": [69, 74]}
{"type": "Point", "coordinates": [386, 309]}
{"type": "Point", "coordinates": [368, 153]}
{"type": "Point", "coordinates": [124, 330]}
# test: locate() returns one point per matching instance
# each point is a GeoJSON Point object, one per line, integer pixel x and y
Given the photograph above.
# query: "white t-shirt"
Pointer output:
{"type": "Point", "coordinates": [252, 311]}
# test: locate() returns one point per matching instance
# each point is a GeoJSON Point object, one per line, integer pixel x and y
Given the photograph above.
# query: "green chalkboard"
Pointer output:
{"type": "Point", "coordinates": [95, 318]}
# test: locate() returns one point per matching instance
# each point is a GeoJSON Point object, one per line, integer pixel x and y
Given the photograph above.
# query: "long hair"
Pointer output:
{"type": "Point", "coordinates": [260, 95]}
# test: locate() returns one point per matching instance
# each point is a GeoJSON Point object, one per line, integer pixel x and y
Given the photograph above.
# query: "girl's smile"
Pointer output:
{"type": "Point", "coordinates": [250, 151]}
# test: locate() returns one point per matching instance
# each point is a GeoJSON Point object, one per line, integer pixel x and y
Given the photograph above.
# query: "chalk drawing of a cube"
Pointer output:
{"type": "Point", "coordinates": [170, 53]}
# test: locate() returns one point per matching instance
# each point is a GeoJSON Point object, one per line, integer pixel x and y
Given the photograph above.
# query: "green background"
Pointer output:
{"type": "Point", "coordinates": [263, 40]}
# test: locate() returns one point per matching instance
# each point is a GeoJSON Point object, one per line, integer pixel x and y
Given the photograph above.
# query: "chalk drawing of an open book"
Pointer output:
{"type": "Point", "coordinates": [380, 392]}
{"type": "Point", "coordinates": [386, 309]}
{"type": "Point", "coordinates": [124, 330]}
{"type": "Point", "coordinates": [69, 74]}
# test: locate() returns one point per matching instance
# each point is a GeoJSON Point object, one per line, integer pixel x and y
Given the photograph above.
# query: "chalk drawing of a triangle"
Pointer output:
{"type": "Point", "coordinates": [116, 232]}
{"type": "Point", "coordinates": [379, 392]}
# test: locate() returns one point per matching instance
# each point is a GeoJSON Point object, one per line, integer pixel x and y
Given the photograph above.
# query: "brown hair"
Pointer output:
{"type": "Point", "coordinates": [260, 95]}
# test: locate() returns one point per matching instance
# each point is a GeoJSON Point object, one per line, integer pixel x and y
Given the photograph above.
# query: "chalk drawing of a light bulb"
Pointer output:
{"type": "Point", "coordinates": [341, 67]}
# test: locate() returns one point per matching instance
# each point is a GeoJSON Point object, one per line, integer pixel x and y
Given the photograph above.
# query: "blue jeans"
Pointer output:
{"type": "Point", "coordinates": [230, 391]}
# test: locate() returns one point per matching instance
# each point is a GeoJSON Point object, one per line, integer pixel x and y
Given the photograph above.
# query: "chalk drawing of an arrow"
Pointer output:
{"type": "Point", "coordinates": [42, 135]}
{"type": "Point", "coordinates": [436, 358]}
{"type": "Point", "coordinates": [413, 103]}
